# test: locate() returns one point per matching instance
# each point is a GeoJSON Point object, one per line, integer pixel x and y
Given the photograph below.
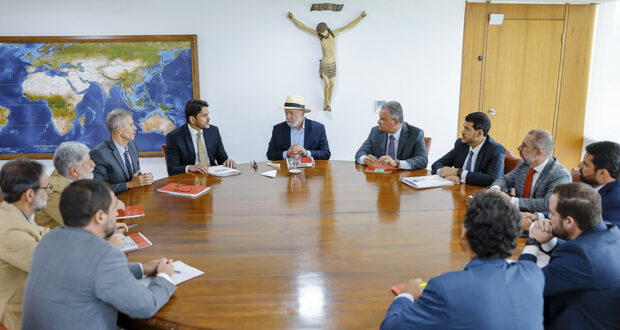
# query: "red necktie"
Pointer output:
{"type": "Point", "coordinates": [528, 183]}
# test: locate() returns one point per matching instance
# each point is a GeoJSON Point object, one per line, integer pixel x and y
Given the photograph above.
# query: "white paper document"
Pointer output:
{"type": "Point", "coordinates": [182, 273]}
{"type": "Point", "coordinates": [430, 181]}
{"type": "Point", "coordinates": [271, 174]}
{"type": "Point", "coordinates": [274, 165]}
{"type": "Point", "coordinates": [222, 170]}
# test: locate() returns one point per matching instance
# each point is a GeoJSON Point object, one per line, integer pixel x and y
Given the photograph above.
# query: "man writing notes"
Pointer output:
{"type": "Point", "coordinates": [116, 159]}
{"type": "Point", "coordinates": [86, 285]}
{"type": "Point", "coordinates": [490, 293]}
{"type": "Point", "coordinates": [394, 142]}
{"type": "Point", "coordinates": [535, 176]}
{"type": "Point", "coordinates": [196, 145]}
{"type": "Point", "coordinates": [582, 278]}
{"type": "Point", "coordinates": [24, 188]}
{"type": "Point", "coordinates": [297, 135]}
{"type": "Point", "coordinates": [476, 158]}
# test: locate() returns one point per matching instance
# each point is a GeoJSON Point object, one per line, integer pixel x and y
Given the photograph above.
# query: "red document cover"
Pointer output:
{"type": "Point", "coordinates": [378, 168]}
{"type": "Point", "coordinates": [184, 189]}
{"type": "Point", "coordinates": [135, 241]}
{"type": "Point", "coordinates": [307, 160]}
{"type": "Point", "coordinates": [131, 211]}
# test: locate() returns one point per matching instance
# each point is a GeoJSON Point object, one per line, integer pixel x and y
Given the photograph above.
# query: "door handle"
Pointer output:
{"type": "Point", "coordinates": [492, 111]}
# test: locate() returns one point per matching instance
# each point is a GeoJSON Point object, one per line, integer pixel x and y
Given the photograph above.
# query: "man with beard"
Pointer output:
{"type": "Point", "coordinates": [196, 145]}
{"type": "Point", "coordinates": [530, 184]}
{"type": "Point", "coordinates": [393, 142]}
{"type": "Point", "coordinates": [582, 278]}
{"type": "Point", "coordinates": [599, 168]}
{"type": "Point", "coordinates": [71, 163]}
{"type": "Point", "coordinates": [490, 293]}
{"type": "Point", "coordinates": [24, 188]}
{"type": "Point", "coordinates": [476, 158]}
{"type": "Point", "coordinates": [87, 285]}
{"type": "Point", "coordinates": [297, 135]}
{"type": "Point", "coordinates": [116, 160]}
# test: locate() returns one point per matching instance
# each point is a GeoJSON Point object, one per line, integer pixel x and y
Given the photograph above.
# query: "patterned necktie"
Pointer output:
{"type": "Point", "coordinates": [391, 152]}
{"type": "Point", "coordinates": [528, 183]}
{"type": "Point", "coordinates": [128, 165]}
{"type": "Point", "coordinates": [201, 149]}
{"type": "Point", "coordinates": [468, 165]}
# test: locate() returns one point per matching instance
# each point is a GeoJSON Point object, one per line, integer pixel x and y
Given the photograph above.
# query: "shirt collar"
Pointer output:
{"type": "Point", "coordinates": [541, 167]}
{"type": "Point", "coordinates": [192, 131]}
{"type": "Point", "coordinates": [397, 133]}
{"type": "Point", "coordinates": [476, 150]}
{"type": "Point", "coordinates": [120, 148]}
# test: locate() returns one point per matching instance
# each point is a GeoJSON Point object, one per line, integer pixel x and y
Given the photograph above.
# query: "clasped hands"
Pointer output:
{"type": "Point", "coordinates": [140, 180]}
{"type": "Point", "coordinates": [450, 173]}
{"type": "Point", "coordinates": [541, 230]}
{"type": "Point", "coordinates": [386, 160]}
{"type": "Point", "coordinates": [296, 149]}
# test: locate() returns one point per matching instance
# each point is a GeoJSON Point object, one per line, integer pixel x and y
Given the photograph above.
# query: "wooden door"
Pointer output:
{"type": "Point", "coordinates": [521, 77]}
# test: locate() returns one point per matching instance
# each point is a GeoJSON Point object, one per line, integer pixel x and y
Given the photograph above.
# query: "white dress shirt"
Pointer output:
{"type": "Point", "coordinates": [474, 157]}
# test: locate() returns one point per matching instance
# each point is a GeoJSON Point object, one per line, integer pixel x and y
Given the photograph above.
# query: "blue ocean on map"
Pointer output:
{"type": "Point", "coordinates": [29, 127]}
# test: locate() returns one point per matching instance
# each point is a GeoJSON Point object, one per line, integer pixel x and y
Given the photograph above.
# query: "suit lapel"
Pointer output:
{"type": "Point", "coordinates": [542, 178]}
{"type": "Point", "coordinates": [119, 159]}
{"type": "Point", "coordinates": [404, 134]}
{"type": "Point", "coordinates": [190, 145]}
{"type": "Point", "coordinates": [480, 156]}
{"type": "Point", "coordinates": [382, 143]}
{"type": "Point", "coordinates": [307, 134]}
{"type": "Point", "coordinates": [135, 162]}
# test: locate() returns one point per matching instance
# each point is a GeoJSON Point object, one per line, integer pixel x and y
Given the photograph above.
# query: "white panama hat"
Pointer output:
{"type": "Point", "coordinates": [295, 103]}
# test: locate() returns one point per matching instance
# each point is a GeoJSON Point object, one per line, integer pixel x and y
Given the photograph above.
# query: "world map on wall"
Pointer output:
{"type": "Point", "coordinates": [56, 92]}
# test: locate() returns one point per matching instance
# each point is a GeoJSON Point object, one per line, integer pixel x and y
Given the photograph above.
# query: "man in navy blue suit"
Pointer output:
{"type": "Point", "coordinates": [298, 135]}
{"type": "Point", "coordinates": [476, 158]}
{"type": "Point", "coordinates": [582, 278]}
{"type": "Point", "coordinates": [490, 293]}
{"type": "Point", "coordinates": [196, 145]}
{"type": "Point", "coordinates": [599, 168]}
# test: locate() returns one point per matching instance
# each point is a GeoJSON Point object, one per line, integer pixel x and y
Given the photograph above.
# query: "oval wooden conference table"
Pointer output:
{"type": "Point", "coordinates": [320, 249]}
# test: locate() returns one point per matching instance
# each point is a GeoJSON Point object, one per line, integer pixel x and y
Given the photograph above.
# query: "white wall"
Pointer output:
{"type": "Point", "coordinates": [251, 56]}
{"type": "Point", "coordinates": [603, 107]}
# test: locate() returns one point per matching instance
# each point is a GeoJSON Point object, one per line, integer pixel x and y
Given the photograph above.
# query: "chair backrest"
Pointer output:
{"type": "Point", "coordinates": [575, 174]}
{"type": "Point", "coordinates": [163, 149]}
{"type": "Point", "coordinates": [427, 141]}
{"type": "Point", "coordinates": [510, 162]}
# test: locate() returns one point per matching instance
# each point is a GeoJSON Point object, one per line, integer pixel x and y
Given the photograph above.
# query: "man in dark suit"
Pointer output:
{"type": "Point", "coordinates": [530, 184]}
{"type": "Point", "coordinates": [476, 158]}
{"type": "Point", "coordinates": [490, 293]}
{"type": "Point", "coordinates": [394, 141]}
{"type": "Point", "coordinates": [298, 135]}
{"type": "Point", "coordinates": [599, 168]}
{"type": "Point", "coordinates": [78, 280]}
{"type": "Point", "coordinates": [116, 160]}
{"type": "Point", "coordinates": [582, 278]}
{"type": "Point", "coordinates": [196, 134]}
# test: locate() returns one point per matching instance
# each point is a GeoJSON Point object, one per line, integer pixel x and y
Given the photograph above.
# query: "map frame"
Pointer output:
{"type": "Point", "coordinates": [191, 38]}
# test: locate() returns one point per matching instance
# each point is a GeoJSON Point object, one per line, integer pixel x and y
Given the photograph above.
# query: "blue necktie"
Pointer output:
{"type": "Point", "coordinates": [391, 152]}
{"type": "Point", "coordinates": [468, 166]}
{"type": "Point", "coordinates": [128, 165]}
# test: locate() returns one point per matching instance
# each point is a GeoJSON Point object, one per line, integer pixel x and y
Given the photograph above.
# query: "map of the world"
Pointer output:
{"type": "Point", "coordinates": [56, 92]}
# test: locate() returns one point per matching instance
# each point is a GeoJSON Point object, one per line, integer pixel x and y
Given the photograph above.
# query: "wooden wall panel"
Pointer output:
{"type": "Point", "coordinates": [511, 11]}
{"type": "Point", "coordinates": [574, 85]}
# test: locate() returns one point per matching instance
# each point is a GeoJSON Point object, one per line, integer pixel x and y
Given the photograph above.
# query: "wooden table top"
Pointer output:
{"type": "Point", "coordinates": [320, 249]}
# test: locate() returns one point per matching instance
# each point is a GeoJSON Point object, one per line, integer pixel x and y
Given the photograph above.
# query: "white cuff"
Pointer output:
{"type": "Point", "coordinates": [141, 269]}
{"type": "Point", "coordinates": [403, 165]}
{"type": "Point", "coordinates": [405, 295]}
{"type": "Point", "coordinates": [540, 216]}
{"type": "Point", "coordinates": [309, 153]}
{"type": "Point", "coordinates": [284, 155]}
{"type": "Point", "coordinates": [514, 201]}
{"type": "Point", "coordinates": [361, 160]}
{"type": "Point", "coordinates": [463, 176]}
{"type": "Point", "coordinates": [549, 245]}
{"type": "Point", "coordinates": [496, 188]}
{"type": "Point", "coordinates": [187, 168]}
{"type": "Point", "coordinates": [164, 275]}
{"type": "Point", "coordinates": [531, 249]}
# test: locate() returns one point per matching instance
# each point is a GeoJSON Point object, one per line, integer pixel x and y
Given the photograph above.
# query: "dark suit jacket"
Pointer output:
{"type": "Point", "coordinates": [489, 163]}
{"type": "Point", "coordinates": [487, 294]}
{"type": "Point", "coordinates": [411, 147]}
{"type": "Point", "coordinates": [110, 164]}
{"type": "Point", "coordinates": [315, 140]}
{"type": "Point", "coordinates": [80, 281]}
{"type": "Point", "coordinates": [553, 173]}
{"type": "Point", "coordinates": [582, 281]}
{"type": "Point", "coordinates": [180, 150]}
{"type": "Point", "coordinates": [610, 198]}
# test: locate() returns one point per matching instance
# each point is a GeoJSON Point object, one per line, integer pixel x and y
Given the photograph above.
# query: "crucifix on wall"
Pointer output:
{"type": "Point", "coordinates": [327, 64]}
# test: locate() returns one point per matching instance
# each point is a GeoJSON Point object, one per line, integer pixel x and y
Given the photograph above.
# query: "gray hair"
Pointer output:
{"type": "Point", "coordinates": [116, 117]}
{"type": "Point", "coordinates": [543, 141]}
{"type": "Point", "coordinates": [396, 111]}
{"type": "Point", "coordinates": [69, 154]}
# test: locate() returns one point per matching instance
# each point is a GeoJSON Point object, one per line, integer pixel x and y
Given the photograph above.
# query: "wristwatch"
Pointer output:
{"type": "Point", "coordinates": [532, 241]}
{"type": "Point", "coordinates": [459, 172]}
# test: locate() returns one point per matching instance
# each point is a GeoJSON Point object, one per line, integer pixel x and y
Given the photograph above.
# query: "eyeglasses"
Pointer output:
{"type": "Point", "coordinates": [523, 145]}
{"type": "Point", "coordinates": [48, 187]}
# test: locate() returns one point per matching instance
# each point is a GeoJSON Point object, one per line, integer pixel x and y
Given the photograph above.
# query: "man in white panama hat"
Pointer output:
{"type": "Point", "coordinates": [297, 135]}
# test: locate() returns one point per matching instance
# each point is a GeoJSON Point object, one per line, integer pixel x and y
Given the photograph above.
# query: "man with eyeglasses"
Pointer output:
{"type": "Point", "coordinates": [530, 185]}
{"type": "Point", "coordinates": [24, 188]}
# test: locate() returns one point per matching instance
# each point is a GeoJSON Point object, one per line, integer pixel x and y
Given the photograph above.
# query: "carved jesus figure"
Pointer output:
{"type": "Point", "coordinates": [327, 64]}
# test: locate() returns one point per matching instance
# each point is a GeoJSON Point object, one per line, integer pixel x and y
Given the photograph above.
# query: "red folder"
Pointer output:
{"type": "Point", "coordinates": [184, 189]}
{"type": "Point", "coordinates": [131, 211]}
{"type": "Point", "coordinates": [378, 168]}
{"type": "Point", "coordinates": [135, 242]}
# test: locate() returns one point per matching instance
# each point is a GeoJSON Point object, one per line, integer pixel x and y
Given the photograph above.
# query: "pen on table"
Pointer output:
{"type": "Point", "coordinates": [131, 226]}
{"type": "Point", "coordinates": [177, 271]}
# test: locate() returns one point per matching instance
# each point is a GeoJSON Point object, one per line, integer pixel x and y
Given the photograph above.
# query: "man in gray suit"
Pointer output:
{"type": "Point", "coordinates": [530, 185]}
{"type": "Point", "coordinates": [395, 142]}
{"type": "Point", "coordinates": [86, 285]}
{"type": "Point", "coordinates": [116, 159]}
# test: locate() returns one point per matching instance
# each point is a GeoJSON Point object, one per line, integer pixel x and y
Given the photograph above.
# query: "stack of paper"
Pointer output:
{"type": "Point", "coordinates": [270, 174]}
{"type": "Point", "coordinates": [182, 273]}
{"type": "Point", "coordinates": [431, 181]}
{"type": "Point", "coordinates": [222, 170]}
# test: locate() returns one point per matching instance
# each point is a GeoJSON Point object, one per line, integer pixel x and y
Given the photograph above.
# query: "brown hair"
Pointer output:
{"type": "Point", "coordinates": [580, 202]}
